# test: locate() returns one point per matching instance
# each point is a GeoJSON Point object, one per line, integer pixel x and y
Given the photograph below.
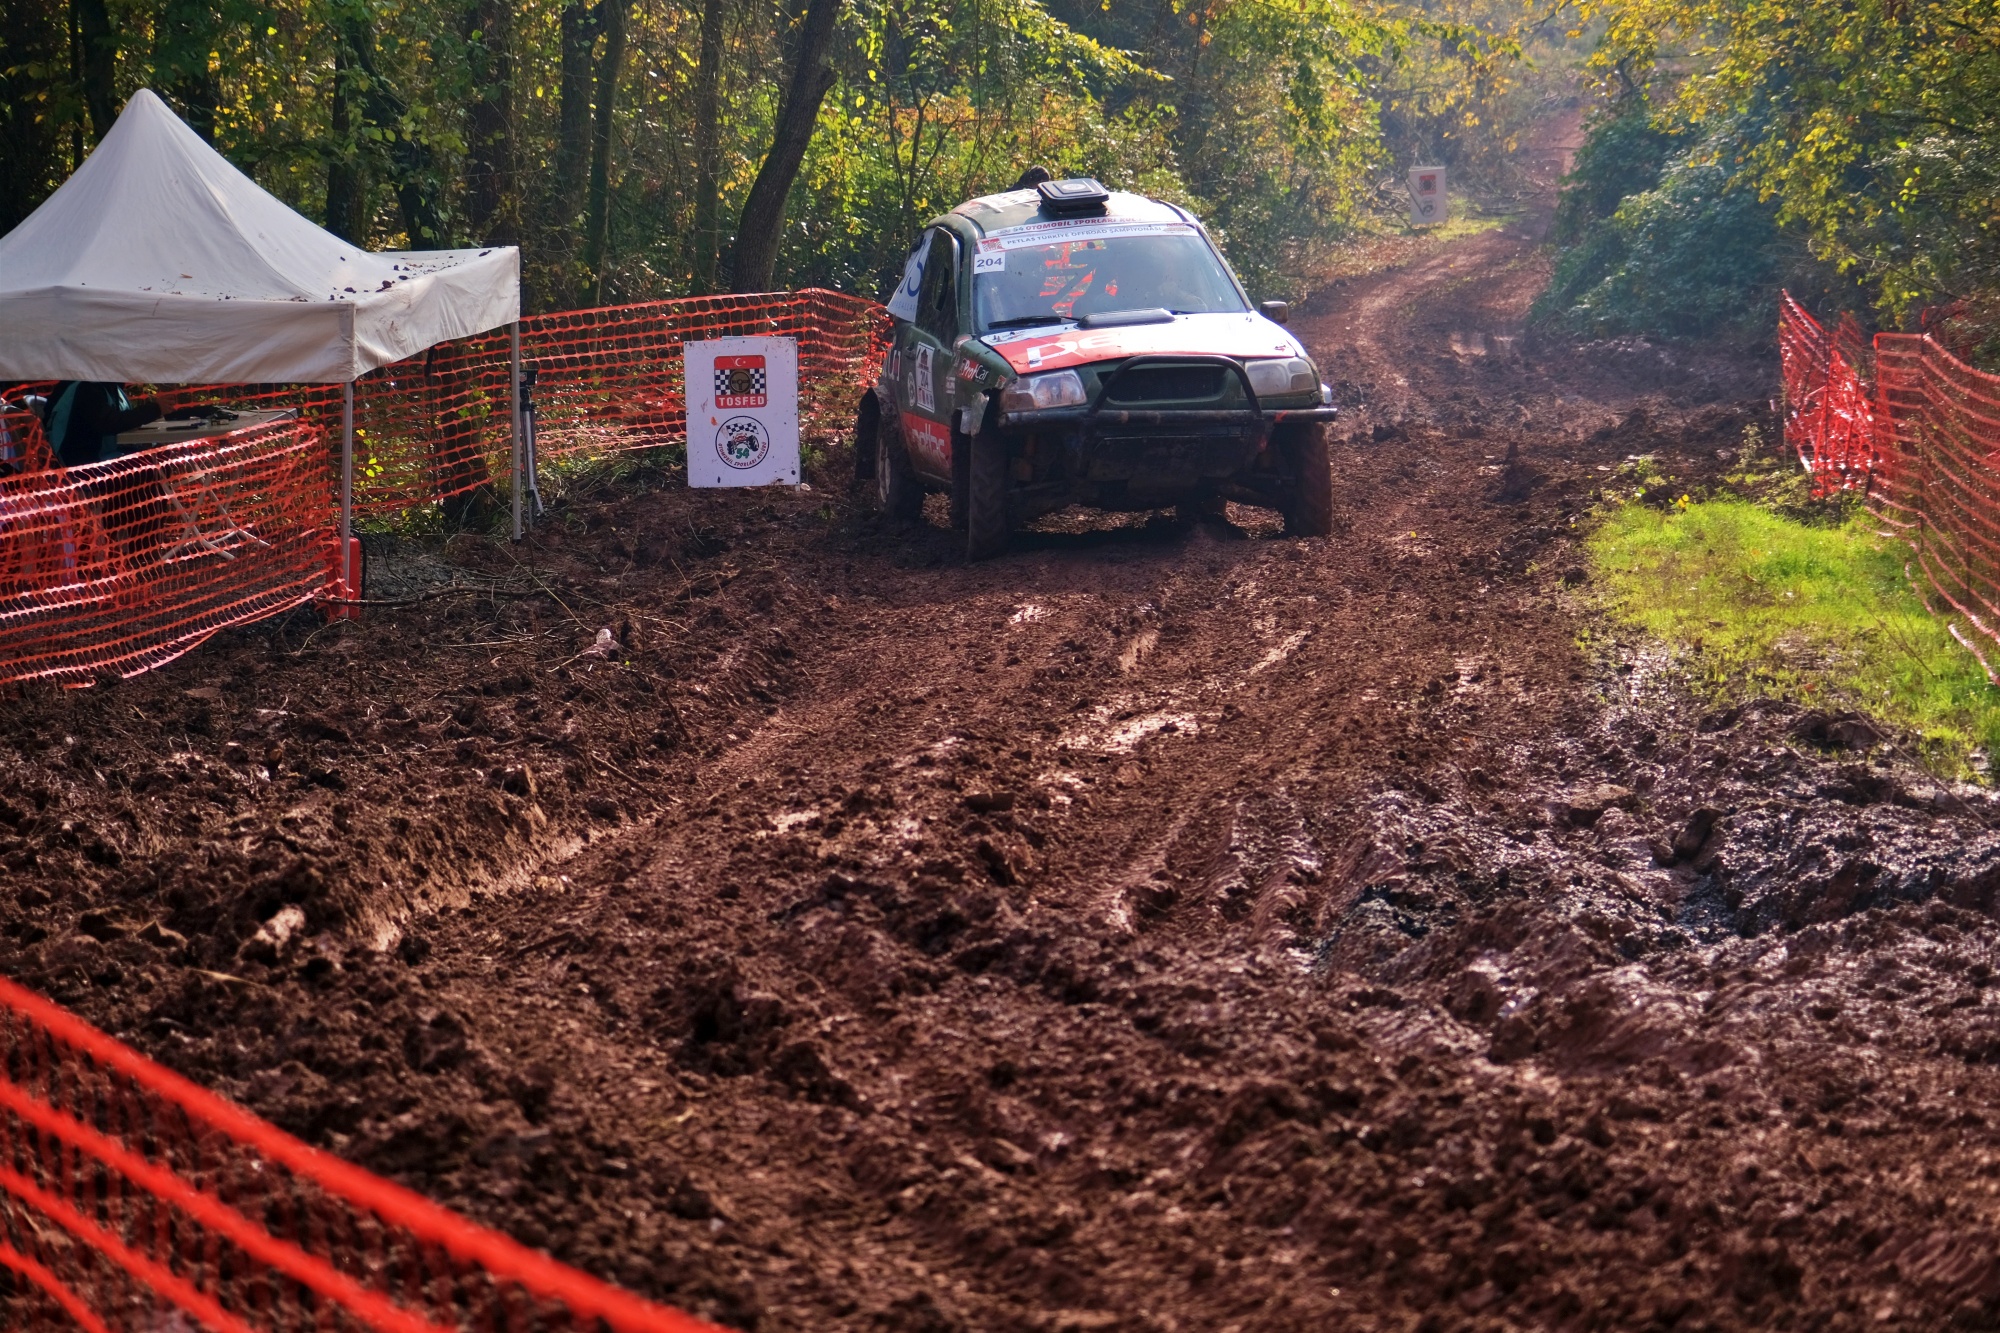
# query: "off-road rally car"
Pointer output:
{"type": "Point", "coordinates": [1070, 344]}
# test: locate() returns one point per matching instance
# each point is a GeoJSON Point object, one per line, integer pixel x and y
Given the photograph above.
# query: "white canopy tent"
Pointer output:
{"type": "Point", "coordinates": [158, 261]}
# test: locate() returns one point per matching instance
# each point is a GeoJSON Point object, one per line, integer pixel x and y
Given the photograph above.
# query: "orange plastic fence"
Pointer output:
{"type": "Point", "coordinates": [120, 567]}
{"type": "Point", "coordinates": [1923, 440]}
{"type": "Point", "coordinates": [1829, 419]}
{"type": "Point", "coordinates": [607, 381]}
{"type": "Point", "coordinates": [131, 1199]}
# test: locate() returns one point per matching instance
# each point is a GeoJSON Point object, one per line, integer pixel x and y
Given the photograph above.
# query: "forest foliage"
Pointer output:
{"type": "Point", "coordinates": [632, 147]}
{"type": "Point", "coordinates": [1852, 149]}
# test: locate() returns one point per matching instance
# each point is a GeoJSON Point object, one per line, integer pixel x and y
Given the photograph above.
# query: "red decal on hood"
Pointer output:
{"type": "Point", "coordinates": [1210, 335]}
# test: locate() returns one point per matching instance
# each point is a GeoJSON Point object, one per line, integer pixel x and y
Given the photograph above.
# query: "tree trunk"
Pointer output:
{"type": "Point", "coordinates": [409, 160]}
{"type": "Point", "coordinates": [198, 96]}
{"type": "Point", "coordinates": [463, 482]}
{"type": "Point", "coordinates": [183, 37]}
{"type": "Point", "coordinates": [707, 147]}
{"type": "Point", "coordinates": [99, 59]}
{"type": "Point", "coordinates": [763, 222]}
{"type": "Point", "coordinates": [75, 82]}
{"type": "Point", "coordinates": [492, 210]}
{"type": "Point", "coordinates": [30, 153]}
{"type": "Point", "coordinates": [343, 172]}
{"type": "Point", "coordinates": [597, 214]}
{"type": "Point", "coordinates": [579, 36]}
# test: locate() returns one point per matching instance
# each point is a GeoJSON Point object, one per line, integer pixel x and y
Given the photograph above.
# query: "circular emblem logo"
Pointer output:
{"type": "Point", "coordinates": [742, 442]}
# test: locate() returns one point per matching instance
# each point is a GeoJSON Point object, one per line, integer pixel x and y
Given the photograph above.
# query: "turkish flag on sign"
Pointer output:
{"type": "Point", "coordinates": [741, 381]}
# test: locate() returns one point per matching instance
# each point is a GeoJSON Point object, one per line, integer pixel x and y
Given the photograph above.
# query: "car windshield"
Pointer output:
{"type": "Point", "coordinates": [1029, 285]}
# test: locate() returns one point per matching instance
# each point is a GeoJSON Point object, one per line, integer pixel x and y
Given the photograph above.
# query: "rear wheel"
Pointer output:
{"type": "Point", "coordinates": [896, 485]}
{"type": "Point", "coordinates": [867, 423]}
{"type": "Point", "coordinates": [1308, 456]}
{"type": "Point", "coordinates": [986, 519]}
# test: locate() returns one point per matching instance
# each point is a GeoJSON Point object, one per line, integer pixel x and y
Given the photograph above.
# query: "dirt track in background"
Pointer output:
{"type": "Point", "coordinates": [1160, 927]}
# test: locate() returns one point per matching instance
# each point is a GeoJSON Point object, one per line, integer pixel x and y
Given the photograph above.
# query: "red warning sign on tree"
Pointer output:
{"type": "Point", "coordinates": [741, 381]}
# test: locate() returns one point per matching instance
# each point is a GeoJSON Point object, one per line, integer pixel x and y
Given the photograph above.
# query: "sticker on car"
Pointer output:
{"type": "Point", "coordinates": [928, 440]}
{"type": "Point", "coordinates": [903, 302]}
{"type": "Point", "coordinates": [923, 389]}
{"type": "Point", "coordinates": [1051, 233]}
{"type": "Point", "coordinates": [990, 263]}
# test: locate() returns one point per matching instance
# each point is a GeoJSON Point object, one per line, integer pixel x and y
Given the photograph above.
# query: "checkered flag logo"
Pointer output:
{"type": "Point", "coordinates": [732, 383]}
{"type": "Point", "coordinates": [741, 381]}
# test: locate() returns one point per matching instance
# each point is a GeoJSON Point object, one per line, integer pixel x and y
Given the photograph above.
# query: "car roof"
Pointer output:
{"type": "Point", "coordinates": [995, 212]}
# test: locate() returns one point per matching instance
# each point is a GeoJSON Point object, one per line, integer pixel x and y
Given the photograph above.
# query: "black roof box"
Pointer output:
{"type": "Point", "coordinates": [1079, 194]}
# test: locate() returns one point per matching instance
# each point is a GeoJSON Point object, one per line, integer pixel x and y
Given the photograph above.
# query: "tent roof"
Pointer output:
{"type": "Point", "coordinates": [158, 261]}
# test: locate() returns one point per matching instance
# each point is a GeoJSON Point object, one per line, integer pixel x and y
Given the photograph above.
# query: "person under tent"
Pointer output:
{"type": "Point", "coordinates": [85, 418]}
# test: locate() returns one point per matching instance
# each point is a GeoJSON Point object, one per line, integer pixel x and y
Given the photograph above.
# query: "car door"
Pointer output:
{"type": "Point", "coordinates": [925, 391]}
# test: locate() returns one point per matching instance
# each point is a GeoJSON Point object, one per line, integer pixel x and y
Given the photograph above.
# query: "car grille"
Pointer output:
{"type": "Point", "coordinates": [1167, 384]}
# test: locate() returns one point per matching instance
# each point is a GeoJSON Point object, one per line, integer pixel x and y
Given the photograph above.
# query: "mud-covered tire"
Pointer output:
{"type": "Point", "coordinates": [986, 519]}
{"type": "Point", "coordinates": [897, 489]}
{"type": "Point", "coordinates": [1201, 507]}
{"type": "Point", "coordinates": [961, 479]}
{"type": "Point", "coordinates": [1308, 456]}
{"type": "Point", "coordinates": [867, 422]}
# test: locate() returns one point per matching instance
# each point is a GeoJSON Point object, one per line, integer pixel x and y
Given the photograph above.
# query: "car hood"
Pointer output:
{"type": "Point", "coordinates": [1233, 335]}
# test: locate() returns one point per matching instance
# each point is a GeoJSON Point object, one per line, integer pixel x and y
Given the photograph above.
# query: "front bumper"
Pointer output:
{"type": "Point", "coordinates": [1131, 456]}
{"type": "Point", "coordinates": [1063, 418]}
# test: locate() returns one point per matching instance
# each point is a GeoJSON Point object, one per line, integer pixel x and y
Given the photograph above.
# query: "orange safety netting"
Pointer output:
{"type": "Point", "coordinates": [133, 1200]}
{"type": "Point", "coordinates": [1923, 441]}
{"type": "Point", "coordinates": [1828, 416]}
{"type": "Point", "coordinates": [119, 567]}
{"type": "Point", "coordinates": [606, 381]}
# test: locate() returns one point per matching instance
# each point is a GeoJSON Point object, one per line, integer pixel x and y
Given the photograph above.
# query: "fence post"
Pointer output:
{"type": "Point", "coordinates": [347, 570]}
{"type": "Point", "coordinates": [514, 416]}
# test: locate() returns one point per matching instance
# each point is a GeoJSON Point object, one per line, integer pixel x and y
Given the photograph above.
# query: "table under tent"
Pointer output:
{"type": "Point", "coordinates": [158, 262]}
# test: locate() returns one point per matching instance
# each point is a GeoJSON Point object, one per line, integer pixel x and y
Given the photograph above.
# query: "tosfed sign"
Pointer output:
{"type": "Point", "coordinates": [743, 412]}
{"type": "Point", "coordinates": [1427, 198]}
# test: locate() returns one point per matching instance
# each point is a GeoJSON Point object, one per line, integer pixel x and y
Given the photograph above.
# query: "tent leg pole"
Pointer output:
{"type": "Point", "coordinates": [347, 570]}
{"type": "Point", "coordinates": [514, 417]}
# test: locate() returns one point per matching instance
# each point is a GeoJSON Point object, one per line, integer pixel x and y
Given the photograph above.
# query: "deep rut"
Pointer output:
{"type": "Point", "coordinates": [1160, 927]}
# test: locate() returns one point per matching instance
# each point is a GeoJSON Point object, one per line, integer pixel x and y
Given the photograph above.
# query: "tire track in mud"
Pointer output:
{"type": "Point", "coordinates": [1177, 928]}
{"type": "Point", "coordinates": [1118, 742]}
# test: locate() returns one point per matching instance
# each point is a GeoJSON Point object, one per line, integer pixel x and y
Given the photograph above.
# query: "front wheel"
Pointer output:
{"type": "Point", "coordinates": [1307, 454]}
{"type": "Point", "coordinates": [986, 519]}
{"type": "Point", "coordinates": [1200, 507]}
{"type": "Point", "coordinates": [896, 485]}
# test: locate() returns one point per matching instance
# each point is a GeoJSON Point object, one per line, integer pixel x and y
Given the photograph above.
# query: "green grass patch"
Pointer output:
{"type": "Point", "coordinates": [1468, 223]}
{"type": "Point", "coordinates": [1764, 603]}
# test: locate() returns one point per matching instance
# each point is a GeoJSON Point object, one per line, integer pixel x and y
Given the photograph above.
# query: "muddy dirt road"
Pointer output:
{"type": "Point", "coordinates": [1160, 927]}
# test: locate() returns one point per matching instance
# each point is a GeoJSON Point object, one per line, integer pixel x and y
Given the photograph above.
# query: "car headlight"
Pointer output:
{"type": "Point", "coordinates": [1290, 375]}
{"type": "Point", "coordinates": [1058, 388]}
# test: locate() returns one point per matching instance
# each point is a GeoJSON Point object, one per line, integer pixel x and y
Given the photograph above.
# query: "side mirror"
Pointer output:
{"type": "Point", "coordinates": [1276, 311]}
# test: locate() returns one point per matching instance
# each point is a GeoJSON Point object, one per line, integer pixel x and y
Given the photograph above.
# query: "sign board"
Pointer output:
{"type": "Point", "coordinates": [1427, 198]}
{"type": "Point", "coordinates": [743, 412]}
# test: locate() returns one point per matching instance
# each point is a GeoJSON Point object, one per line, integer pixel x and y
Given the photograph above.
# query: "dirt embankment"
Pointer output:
{"type": "Point", "coordinates": [1160, 927]}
